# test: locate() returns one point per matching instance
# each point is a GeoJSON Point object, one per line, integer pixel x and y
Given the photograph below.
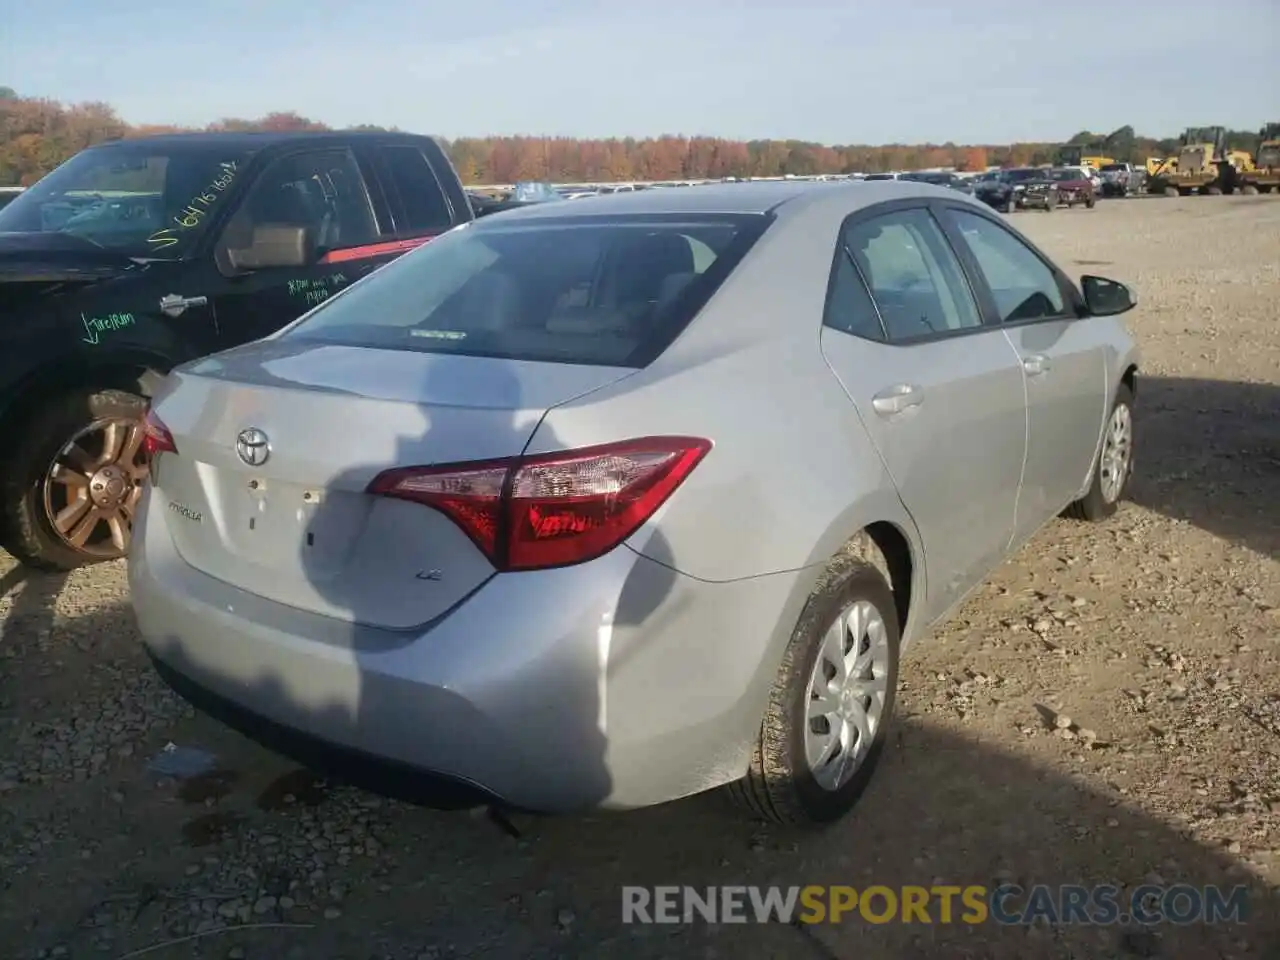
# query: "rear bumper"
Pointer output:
{"type": "Point", "coordinates": [618, 683]}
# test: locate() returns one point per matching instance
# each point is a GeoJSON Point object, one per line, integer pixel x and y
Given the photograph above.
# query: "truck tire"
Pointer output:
{"type": "Point", "coordinates": [1213, 190]}
{"type": "Point", "coordinates": [1090, 203]}
{"type": "Point", "coordinates": [78, 468]}
{"type": "Point", "coordinates": [1172, 192]}
{"type": "Point", "coordinates": [1249, 190]}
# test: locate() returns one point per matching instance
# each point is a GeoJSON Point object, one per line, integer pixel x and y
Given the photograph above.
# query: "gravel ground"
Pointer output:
{"type": "Point", "coordinates": [1105, 710]}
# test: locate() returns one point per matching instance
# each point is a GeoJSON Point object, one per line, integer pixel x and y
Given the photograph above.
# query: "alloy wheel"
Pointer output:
{"type": "Point", "coordinates": [93, 485]}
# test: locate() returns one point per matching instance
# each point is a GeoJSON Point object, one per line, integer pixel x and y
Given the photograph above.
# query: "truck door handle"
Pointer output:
{"type": "Point", "coordinates": [1036, 364]}
{"type": "Point", "coordinates": [894, 400]}
{"type": "Point", "coordinates": [174, 305]}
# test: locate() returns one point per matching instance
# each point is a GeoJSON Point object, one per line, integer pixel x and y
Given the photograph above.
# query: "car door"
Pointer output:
{"type": "Point", "coordinates": [1062, 356]}
{"type": "Point", "coordinates": [939, 392]}
{"type": "Point", "coordinates": [324, 190]}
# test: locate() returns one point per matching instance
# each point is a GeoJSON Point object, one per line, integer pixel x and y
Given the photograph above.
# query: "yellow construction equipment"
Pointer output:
{"type": "Point", "coordinates": [1074, 155]}
{"type": "Point", "coordinates": [1263, 175]}
{"type": "Point", "coordinates": [1203, 165]}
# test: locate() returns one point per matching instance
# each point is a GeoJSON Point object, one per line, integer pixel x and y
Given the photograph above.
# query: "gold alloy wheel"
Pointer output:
{"type": "Point", "coordinates": [92, 487]}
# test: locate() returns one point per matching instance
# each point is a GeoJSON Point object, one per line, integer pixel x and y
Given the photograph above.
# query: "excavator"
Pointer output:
{"type": "Point", "coordinates": [1203, 165]}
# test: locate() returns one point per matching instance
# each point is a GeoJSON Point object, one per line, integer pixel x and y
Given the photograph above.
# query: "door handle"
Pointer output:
{"type": "Point", "coordinates": [1036, 364]}
{"type": "Point", "coordinates": [174, 305]}
{"type": "Point", "coordinates": [894, 400]}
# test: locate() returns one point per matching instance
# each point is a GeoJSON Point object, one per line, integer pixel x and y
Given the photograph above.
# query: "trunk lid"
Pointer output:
{"type": "Point", "coordinates": [298, 528]}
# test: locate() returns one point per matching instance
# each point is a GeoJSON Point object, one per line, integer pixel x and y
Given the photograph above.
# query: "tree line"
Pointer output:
{"type": "Point", "coordinates": [37, 134]}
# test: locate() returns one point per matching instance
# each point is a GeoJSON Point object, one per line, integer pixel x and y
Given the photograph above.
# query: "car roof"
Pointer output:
{"type": "Point", "coordinates": [729, 198]}
{"type": "Point", "coordinates": [257, 140]}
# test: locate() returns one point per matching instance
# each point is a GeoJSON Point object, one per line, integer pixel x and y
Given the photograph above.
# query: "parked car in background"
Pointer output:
{"type": "Point", "coordinates": [1121, 179]}
{"type": "Point", "coordinates": [8, 195]}
{"type": "Point", "coordinates": [535, 191]}
{"type": "Point", "coordinates": [481, 515]}
{"type": "Point", "coordinates": [1019, 189]}
{"type": "Point", "coordinates": [939, 179]}
{"type": "Point", "coordinates": [136, 255]}
{"type": "Point", "coordinates": [1074, 186]}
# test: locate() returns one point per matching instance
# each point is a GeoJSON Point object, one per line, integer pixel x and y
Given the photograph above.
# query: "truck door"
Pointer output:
{"type": "Point", "coordinates": [322, 190]}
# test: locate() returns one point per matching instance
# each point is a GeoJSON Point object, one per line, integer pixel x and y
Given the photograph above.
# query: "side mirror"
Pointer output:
{"type": "Point", "coordinates": [1106, 298]}
{"type": "Point", "coordinates": [274, 245]}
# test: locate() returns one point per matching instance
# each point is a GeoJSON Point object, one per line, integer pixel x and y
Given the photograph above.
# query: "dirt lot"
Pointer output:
{"type": "Point", "coordinates": [1157, 634]}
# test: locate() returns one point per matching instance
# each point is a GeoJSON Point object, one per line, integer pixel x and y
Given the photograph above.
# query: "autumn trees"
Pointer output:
{"type": "Point", "coordinates": [36, 135]}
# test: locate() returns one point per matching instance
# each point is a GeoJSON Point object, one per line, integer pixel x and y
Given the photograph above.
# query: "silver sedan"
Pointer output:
{"type": "Point", "coordinates": [607, 504]}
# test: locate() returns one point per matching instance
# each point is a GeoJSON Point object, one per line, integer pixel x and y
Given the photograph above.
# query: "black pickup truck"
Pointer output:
{"type": "Point", "coordinates": [137, 255]}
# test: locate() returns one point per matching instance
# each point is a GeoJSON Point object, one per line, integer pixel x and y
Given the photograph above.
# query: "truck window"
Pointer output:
{"type": "Point", "coordinates": [423, 206]}
{"type": "Point", "coordinates": [319, 189]}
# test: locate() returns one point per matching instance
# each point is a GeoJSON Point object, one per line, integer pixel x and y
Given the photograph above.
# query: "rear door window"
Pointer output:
{"type": "Point", "coordinates": [612, 291]}
{"type": "Point", "coordinates": [914, 277]}
{"type": "Point", "coordinates": [421, 206]}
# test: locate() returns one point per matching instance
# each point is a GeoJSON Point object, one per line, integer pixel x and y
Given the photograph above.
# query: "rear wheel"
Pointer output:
{"type": "Point", "coordinates": [832, 701]}
{"type": "Point", "coordinates": [1114, 465]}
{"type": "Point", "coordinates": [1172, 192]}
{"type": "Point", "coordinates": [1213, 190]}
{"type": "Point", "coordinates": [1249, 189]}
{"type": "Point", "coordinates": [1089, 203]}
{"type": "Point", "coordinates": [78, 472]}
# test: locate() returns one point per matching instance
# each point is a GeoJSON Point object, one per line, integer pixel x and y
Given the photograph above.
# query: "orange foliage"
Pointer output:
{"type": "Point", "coordinates": [36, 135]}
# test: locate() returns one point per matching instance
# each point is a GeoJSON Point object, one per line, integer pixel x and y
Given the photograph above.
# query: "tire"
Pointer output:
{"type": "Point", "coordinates": [1249, 190]}
{"type": "Point", "coordinates": [1213, 190]}
{"type": "Point", "coordinates": [781, 785]}
{"type": "Point", "coordinates": [1172, 192]}
{"type": "Point", "coordinates": [1010, 205]}
{"type": "Point", "coordinates": [1095, 506]}
{"type": "Point", "coordinates": [27, 500]}
{"type": "Point", "coordinates": [1090, 203]}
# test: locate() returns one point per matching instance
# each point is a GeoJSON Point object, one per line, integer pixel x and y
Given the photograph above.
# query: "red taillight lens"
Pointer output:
{"type": "Point", "coordinates": [156, 437]}
{"type": "Point", "coordinates": [553, 509]}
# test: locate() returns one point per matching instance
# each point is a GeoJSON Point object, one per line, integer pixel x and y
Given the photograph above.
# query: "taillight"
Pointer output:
{"type": "Point", "coordinates": [156, 437]}
{"type": "Point", "coordinates": [552, 509]}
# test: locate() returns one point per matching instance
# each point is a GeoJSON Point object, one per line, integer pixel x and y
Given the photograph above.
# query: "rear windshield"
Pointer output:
{"type": "Point", "coordinates": [613, 291]}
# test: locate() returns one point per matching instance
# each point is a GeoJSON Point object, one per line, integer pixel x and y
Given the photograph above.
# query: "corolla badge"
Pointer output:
{"type": "Point", "coordinates": [185, 511]}
{"type": "Point", "coordinates": [253, 446]}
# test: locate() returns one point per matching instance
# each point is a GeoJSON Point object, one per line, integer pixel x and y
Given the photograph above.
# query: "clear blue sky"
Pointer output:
{"type": "Point", "coordinates": [874, 71]}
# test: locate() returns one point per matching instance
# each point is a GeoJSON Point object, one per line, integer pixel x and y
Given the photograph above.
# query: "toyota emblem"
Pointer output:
{"type": "Point", "coordinates": [253, 446]}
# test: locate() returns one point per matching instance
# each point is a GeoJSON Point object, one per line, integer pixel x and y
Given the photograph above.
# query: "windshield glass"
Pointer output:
{"type": "Point", "coordinates": [137, 198]}
{"type": "Point", "coordinates": [1112, 167]}
{"type": "Point", "coordinates": [927, 177]}
{"type": "Point", "coordinates": [1014, 176]}
{"type": "Point", "coordinates": [610, 291]}
{"type": "Point", "coordinates": [1066, 174]}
